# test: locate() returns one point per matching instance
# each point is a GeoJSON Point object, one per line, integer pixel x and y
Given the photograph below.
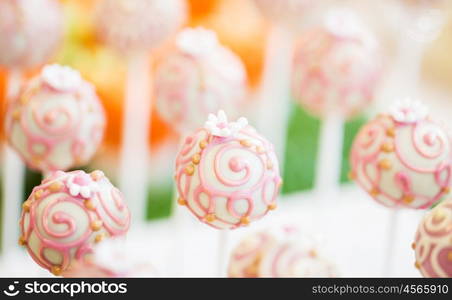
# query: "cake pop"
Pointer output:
{"type": "Point", "coordinates": [67, 215]}
{"type": "Point", "coordinates": [403, 159]}
{"type": "Point", "coordinates": [433, 244]}
{"type": "Point", "coordinates": [113, 258]}
{"type": "Point", "coordinates": [246, 257]}
{"type": "Point", "coordinates": [57, 122]}
{"type": "Point", "coordinates": [278, 252]}
{"type": "Point", "coordinates": [227, 175]}
{"type": "Point", "coordinates": [198, 77]}
{"type": "Point", "coordinates": [291, 260]}
{"type": "Point", "coordinates": [30, 31]}
{"type": "Point", "coordinates": [136, 25]}
{"type": "Point", "coordinates": [336, 67]}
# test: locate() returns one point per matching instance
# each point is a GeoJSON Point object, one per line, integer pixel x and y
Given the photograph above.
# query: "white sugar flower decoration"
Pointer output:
{"type": "Point", "coordinates": [81, 184]}
{"type": "Point", "coordinates": [61, 78]}
{"type": "Point", "coordinates": [197, 41]}
{"type": "Point", "coordinates": [408, 111]}
{"type": "Point", "coordinates": [218, 125]}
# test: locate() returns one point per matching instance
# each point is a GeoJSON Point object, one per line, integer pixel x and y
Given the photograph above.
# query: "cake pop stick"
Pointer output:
{"type": "Point", "coordinates": [134, 28]}
{"type": "Point", "coordinates": [335, 73]}
{"type": "Point", "coordinates": [30, 32]}
{"type": "Point", "coordinates": [199, 76]}
{"type": "Point", "coordinates": [288, 17]}
{"type": "Point", "coordinates": [12, 178]}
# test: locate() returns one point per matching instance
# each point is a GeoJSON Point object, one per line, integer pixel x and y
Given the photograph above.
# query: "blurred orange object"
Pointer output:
{"type": "Point", "coordinates": [240, 27]}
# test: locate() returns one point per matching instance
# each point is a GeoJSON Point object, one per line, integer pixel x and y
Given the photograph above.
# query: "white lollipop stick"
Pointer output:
{"type": "Point", "coordinates": [275, 89]}
{"type": "Point", "coordinates": [12, 178]}
{"type": "Point", "coordinates": [329, 157]}
{"type": "Point", "coordinates": [223, 242]}
{"type": "Point", "coordinates": [390, 244]}
{"type": "Point", "coordinates": [135, 153]}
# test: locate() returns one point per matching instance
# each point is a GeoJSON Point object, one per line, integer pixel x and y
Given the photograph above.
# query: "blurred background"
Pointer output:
{"type": "Point", "coordinates": [242, 28]}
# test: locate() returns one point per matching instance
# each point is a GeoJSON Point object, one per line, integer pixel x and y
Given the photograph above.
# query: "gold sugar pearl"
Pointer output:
{"type": "Point", "coordinates": [189, 170]}
{"type": "Point", "coordinates": [269, 165]}
{"type": "Point", "coordinates": [408, 199]}
{"type": "Point", "coordinates": [26, 206]}
{"type": "Point", "coordinates": [196, 158]}
{"type": "Point", "coordinates": [97, 175]}
{"type": "Point", "coordinates": [181, 201]}
{"type": "Point", "coordinates": [56, 186]}
{"type": "Point", "coordinates": [22, 241]}
{"type": "Point", "coordinates": [89, 204]}
{"type": "Point", "coordinates": [446, 190]}
{"type": "Point", "coordinates": [38, 194]}
{"type": "Point", "coordinates": [272, 206]}
{"type": "Point", "coordinates": [260, 149]}
{"type": "Point", "coordinates": [203, 144]}
{"type": "Point", "coordinates": [313, 253]}
{"type": "Point", "coordinates": [449, 256]}
{"type": "Point", "coordinates": [16, 114]}
{"type": "Point", "coordinates": [417, 265]}
{"type": "Point", "coordinates": [56, 270]}
{"type": "Point", "coordinates": [210, 217]}
{"type": "Point", "coordinates": [99, 238]}
{"type": "Point", "coordinates": [390, 132]}
{"type": "Point", "coordinates": [413, 245]}
{"type": "Point", "coordinates": [245, 143]}
{"type": "Point", "coordinates": [96, 225]}
{"type": "Point", "coordinates": [385, 164]}
{"type": "Point", "coordinates": [244, 220]}
{"type": "Point", "coordinates": [439, 215]}
{"type": "Point", "coordinates": [374, 192]}
{"type": "Point", "coordinates": [387, 147]}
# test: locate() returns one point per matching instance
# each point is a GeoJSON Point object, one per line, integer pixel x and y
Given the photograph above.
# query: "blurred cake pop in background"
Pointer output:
{"type": "Point", "coordinates": [433, 245]}
{"type": "Point", "coordinates": [336, 66]}
{"type": "Point", "coordinates": [403, 159]}
{"type": "Point", "coordinates": [57, 122]}
{"type": "Point", "coordinates": [198, 77]}
{"type": "Point", "coordinates": [67, 215]}
{"type": "Point", "coordinates": [30, 32]}
{"type": "Point", "coordinates": [278, 252]}
{"type": "Point", "coordinates": [227, 174]}
{"type": "Point", "coordinates": [113, 258]}
{"type": "Point", "coordinates": [136, 25]}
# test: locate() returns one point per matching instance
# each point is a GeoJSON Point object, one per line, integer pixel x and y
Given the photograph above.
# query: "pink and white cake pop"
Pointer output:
{"type": "Point", "coordinates": [68, 214]}
{"type": "Point", "coordinates": [114, 258]}
{"type": "Point", "coordinates": [30, 31]}
{"type": "Point", "coordinates": [336, 67]}
{"type": "Point", "coordinates": [138, 25]}
{"type": "Point", "coordinates": [278, 252]}
{"type": "Point", "coordinates": [291, 260]}
{"type": "Point", "coordinates": [57, 122]}
{"type": "Point", "coordinates": [227, 174]}
{"type": "Point", "coordinates": [199, 77]}
{"type": "Point", "coordinates": [403, 159]}
{"type": "Point", "coordinates": [247, 256]}
{"type": "Point", "coordinates": [433, 244]}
